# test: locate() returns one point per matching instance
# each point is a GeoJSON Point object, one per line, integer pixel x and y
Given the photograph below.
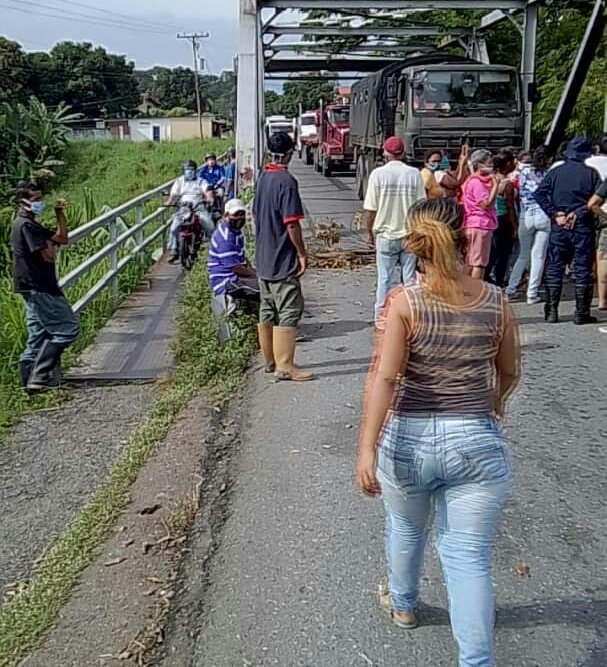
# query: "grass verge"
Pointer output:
{"type": "Point", "coordinates": [201, 363]}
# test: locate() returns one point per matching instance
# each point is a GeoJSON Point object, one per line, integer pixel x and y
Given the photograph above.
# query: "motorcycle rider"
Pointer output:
{"type": "Point", "coordinates": [214, 178]}
{"type": "Point", "coordinates": [230, 174]}
{"type": "Point", "coordinates": [188, 188]}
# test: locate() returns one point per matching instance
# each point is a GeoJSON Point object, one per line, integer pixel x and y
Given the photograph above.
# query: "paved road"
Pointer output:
{"type": "Point", "coordinates": [293, 581]}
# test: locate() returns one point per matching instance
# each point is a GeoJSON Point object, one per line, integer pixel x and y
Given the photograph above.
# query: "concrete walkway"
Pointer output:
{"type": "Point", "coordinates": [293, 581]}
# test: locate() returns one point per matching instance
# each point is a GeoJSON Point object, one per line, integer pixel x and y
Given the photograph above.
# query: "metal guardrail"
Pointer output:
{"type": "Point", "coordinates": [117, 242]}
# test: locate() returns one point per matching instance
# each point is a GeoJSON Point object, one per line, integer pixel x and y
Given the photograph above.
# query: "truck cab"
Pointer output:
{"type": "Point", "coordinates": [334, 147]}
{"type": "Point", "coordinates": [307, 136]}
{"type": "Point", "coordinates": [439, 105]}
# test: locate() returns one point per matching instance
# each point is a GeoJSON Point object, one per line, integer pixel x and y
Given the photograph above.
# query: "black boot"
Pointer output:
{"type": "Point", "coordinates": [25, 370]}
{"type": "Point", "coordinates": [583, 301]}
{"type": "Point", "coordinates": [551, 307]}
{"type": "Point", "coordinates": [44, 373]}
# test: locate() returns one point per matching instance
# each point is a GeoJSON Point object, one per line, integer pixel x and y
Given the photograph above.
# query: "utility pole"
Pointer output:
{"type": "Point", "coordinates": [195, 38]}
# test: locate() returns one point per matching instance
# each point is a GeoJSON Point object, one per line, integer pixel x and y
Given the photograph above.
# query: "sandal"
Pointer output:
{"type": "Point", "coordinates": [386, 605]}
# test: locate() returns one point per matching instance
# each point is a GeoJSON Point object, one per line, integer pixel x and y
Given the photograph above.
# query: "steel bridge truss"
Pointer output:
{"type": "Point", "coordinates": [265, 55]}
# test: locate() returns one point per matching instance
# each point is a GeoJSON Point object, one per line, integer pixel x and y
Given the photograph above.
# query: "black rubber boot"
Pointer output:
{"type": "Point", "coordinates": [44, 373]}
{"type": "Point", "coordinates": [551, 307]}
{"type": "Point", "coordinates": [25, 370]}
{"type": "Point", "coordinates": [583, 301]}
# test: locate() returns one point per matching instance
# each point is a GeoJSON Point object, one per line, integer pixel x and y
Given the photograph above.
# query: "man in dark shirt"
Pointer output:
{"type": "Point", "coordinates": [598, 205]}
{"type": "Point", "coordinates": [280, 258]}
{"type": "Point", "coordinates": [51, 323]}
{"type": "Point", "coordinates": [564, 195]}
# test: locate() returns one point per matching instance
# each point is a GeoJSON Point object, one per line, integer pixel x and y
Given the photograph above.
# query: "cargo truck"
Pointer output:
{"type": "Point", "coordinates": [334, 148]}
{"type": "Point", "coordinates": [434, 101]}
{"type": "Point", "coordinates": [307, 136]}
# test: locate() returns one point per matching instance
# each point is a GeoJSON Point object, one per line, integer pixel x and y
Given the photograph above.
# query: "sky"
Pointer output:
{"type": "Point", "coordinates": [145, 32]}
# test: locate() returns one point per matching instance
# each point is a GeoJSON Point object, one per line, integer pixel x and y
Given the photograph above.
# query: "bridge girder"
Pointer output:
{"type": "Point", "coordinates": [257, 55]}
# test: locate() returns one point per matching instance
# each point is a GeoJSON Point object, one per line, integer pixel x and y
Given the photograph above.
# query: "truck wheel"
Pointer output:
{"type": "Point", "coordinates": [360, 189]}
{"type": "Point", "coordinates": [309, 157]}
{"type": "Point", "coordinates": [326, 167]}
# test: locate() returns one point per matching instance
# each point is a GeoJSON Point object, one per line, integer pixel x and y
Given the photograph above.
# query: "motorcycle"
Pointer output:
{"type": "Point", "coordinates": [189, 234]}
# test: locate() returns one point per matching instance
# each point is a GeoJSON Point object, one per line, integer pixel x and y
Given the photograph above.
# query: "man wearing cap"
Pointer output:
{"type": "Point", "coordinates": [281, 260]}
{"type": "Point", "coordinates": [564, 195]}
{"type": "Point", "coordinates": [228, 268]}
{"type": "Point", "coordinates": [392, 190]}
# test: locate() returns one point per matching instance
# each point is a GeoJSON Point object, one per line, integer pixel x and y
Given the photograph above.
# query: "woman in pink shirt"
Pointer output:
{"type": "Point", "coordinates": [480, 219]}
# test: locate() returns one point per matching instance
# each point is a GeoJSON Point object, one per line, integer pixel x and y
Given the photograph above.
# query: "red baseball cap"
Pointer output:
{"type": "Point", "coordinates": [394, 146]}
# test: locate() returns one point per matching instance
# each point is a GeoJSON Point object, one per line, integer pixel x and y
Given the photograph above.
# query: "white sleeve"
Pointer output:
{"type": "Point", "coordinates": [176, 188]}
{"type": "Point", "coordinates": [371, 203]}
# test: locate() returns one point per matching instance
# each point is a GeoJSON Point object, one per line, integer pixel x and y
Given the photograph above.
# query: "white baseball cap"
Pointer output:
{"type": "Point", "coordinates": [235, 206]}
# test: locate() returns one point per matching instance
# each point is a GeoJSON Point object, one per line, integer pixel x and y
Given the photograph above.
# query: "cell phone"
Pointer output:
{"type": "Point", "coordinates": [464, 138]}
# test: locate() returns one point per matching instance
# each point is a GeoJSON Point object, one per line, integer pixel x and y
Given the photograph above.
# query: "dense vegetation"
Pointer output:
{"type": "Point", "coordinates": [561, 27]}
{"type": "Point", "coordinates": [95, 174]}
{"type": "Point", "coordinates": [97, 84]}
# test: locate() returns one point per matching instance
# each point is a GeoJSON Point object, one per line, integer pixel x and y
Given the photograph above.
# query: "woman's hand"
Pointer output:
{"type": "Point", "coordinates": [366, 480]}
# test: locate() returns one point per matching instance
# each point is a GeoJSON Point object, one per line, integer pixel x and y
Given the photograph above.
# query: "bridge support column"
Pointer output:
{"type": "Point", "coordinates": [528, 66]}
{"type": "Point", "coordinates": [249, 102]}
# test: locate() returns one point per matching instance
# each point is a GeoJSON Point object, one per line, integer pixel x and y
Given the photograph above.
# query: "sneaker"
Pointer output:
{"type": "Point", "coordinates": [173, 259]}
{"type": "Point", "coordinates": [603, 330]}
{"type": "Point", "coordinates": [533, 300]}
{"type": "Point", "coordinates": [512, 296]}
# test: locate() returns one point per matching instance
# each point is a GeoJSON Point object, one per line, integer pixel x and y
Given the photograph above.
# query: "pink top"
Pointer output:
{"type": "Point", "coordinates": [475, 190]}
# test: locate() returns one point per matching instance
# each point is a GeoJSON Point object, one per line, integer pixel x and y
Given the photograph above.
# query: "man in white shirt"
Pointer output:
{"type": "Point", "coordinates": [187, 188]}
{"type": "Point", "coordinates": [391, 192]}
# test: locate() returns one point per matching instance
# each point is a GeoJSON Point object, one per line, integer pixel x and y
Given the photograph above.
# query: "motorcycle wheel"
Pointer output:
{"type": "Point", "coordinates": [185, 252]}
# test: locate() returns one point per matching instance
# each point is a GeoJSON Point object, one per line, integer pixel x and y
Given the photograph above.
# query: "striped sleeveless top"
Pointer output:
{"type": "Point", "coordinates": [452, 351]}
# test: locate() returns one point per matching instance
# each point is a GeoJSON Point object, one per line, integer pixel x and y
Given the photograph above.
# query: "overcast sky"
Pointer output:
{"type": "Point", "coordinates": [144, 32]}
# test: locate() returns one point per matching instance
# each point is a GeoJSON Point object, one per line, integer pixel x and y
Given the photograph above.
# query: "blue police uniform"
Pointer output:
{"type": "Point", "coordinates": [214, 176]}
{"type": "Point", "coordinates": [567, 189]}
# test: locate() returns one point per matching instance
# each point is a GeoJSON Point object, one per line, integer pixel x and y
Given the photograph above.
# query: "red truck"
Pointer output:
{"type": "Point", "coordinates": [334, 149]}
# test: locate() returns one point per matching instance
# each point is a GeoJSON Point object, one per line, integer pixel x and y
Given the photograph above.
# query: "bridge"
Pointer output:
{"type": "Point", "coordinates": [283, 561]}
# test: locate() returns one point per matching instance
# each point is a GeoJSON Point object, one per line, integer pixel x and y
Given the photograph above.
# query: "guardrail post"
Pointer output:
{"type": "Point", "coordinates": [114, 285]}
{"type": "Point", "coordinates": [139, 234]}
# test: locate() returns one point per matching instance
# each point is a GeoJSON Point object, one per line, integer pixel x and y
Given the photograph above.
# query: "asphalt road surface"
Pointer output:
{"type": "Point", "coordinates": [294, 578]}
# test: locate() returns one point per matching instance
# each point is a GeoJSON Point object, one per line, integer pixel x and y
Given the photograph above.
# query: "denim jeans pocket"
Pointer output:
{"type": "Point", "coordinates": [483, 451]}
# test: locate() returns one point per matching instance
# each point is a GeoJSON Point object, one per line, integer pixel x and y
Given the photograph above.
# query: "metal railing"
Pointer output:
{"type": "Point", "coordinates": [116, 247]}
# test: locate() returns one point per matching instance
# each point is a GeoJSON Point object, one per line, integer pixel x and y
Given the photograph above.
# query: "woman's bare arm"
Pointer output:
{"type": "Point", "coordinates": [508, 361]}
{"type": "Point", "coordinates": [388, 364]}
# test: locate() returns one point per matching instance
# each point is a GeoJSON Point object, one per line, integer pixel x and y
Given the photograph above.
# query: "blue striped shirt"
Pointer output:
{"type": "Point", "coordinates": [225, 252]}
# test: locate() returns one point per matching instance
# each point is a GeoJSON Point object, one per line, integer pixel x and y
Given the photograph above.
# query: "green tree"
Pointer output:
{"type": "Point", "coordinates": [13, 74]}
{"type": "Point", "coordinates": [273, 103]}
{"type": "Point", "coordinates": [307, 94]}
{"type": "Point", "coordinates": [88, 79]}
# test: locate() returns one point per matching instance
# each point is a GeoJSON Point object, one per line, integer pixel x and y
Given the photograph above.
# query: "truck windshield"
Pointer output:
{"type": "Point", "coordinates": [466, 93]}
{"type": "Point", "coordinates": [339, 115]}
{"type": "Point", "coordinates": [281, 127]}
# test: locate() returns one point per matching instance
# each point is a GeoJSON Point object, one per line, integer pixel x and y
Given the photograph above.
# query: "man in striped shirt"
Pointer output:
{"type": "Point", "coordinates": [227, 264]}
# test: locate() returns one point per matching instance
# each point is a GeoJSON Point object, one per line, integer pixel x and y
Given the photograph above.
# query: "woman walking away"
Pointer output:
{"type": "Point", "coordinates": [432, 163]}
{"type": "Point", "coordinates": [480, 220]}
{"type": "Point", "coordinates": [505, 235]}
{"type": "Point", "coordinates": [446, 359]}
{"type": "Point", "coordinates": [534, 230]}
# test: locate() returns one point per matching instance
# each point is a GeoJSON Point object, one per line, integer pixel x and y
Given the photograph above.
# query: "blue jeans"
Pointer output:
{"type": "Point", "coordinates": [206, 224]}
{"type": "Point", "coordinates": [47, 317]}
{"type": "Point", "coordinates": [533, 234]}
{"type": "Point", "coordinates": [458, 465]}
{"type": "Point", "coordinates": [389, 255]}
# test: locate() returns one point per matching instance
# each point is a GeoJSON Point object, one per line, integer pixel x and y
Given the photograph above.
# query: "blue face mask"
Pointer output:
{"type": "Point", "coordinates": [487, 170]}
{"type": "Point", "coordinates": [37, 207]}
{"type": "Point", "coordinates": [433, 166]}
{"type": "Point", "coordinates": [189, 174]}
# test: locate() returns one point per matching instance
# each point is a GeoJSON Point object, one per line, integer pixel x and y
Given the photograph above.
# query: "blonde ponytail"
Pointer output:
{"type": "Point", "coordinates": [434, 238]}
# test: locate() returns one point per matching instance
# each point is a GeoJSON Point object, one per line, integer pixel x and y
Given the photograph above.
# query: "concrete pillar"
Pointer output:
{"type": "Point", "coordinates": [249, 93]}
{"type": "Point", "coordinates": [528, 65]}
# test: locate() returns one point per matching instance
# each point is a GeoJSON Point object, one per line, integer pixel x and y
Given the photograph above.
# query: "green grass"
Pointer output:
{"type": "Point", "coordinates": [96, 174]}
{"type": "Point", "coordinates": [201, 362]}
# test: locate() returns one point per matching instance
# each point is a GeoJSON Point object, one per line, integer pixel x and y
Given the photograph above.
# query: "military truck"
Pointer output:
{"type": "Point", "coordinates": [435, 101]}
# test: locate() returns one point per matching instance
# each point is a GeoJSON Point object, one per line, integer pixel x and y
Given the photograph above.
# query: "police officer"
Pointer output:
{"type": "Point", "coordinates": [563, 195]}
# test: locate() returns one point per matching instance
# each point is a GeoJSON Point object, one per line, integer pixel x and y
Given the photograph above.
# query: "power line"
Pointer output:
{"type": "Point", "coordinates": [107, 12]}
{"type": "Point", "coordinates": [84, 19]}
{"type": "Point", "coordinates": [195, 38]}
